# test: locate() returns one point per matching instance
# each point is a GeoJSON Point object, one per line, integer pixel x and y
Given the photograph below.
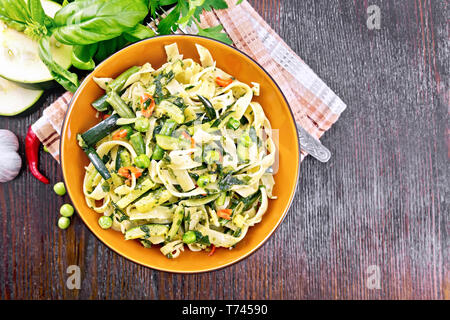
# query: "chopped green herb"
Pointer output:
{"type": "Point", "coordinates": [228, 181]}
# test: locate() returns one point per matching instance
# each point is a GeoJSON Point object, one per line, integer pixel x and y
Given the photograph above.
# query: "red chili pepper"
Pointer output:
{"type": "Point", "coordinates": [32, 144]}
{"type": "Point", "coordinates": [126, 172]}
{"type": "Point", "coordinates": [212, 250]}
{"type": "Point", "coordinates": [147, 111]}
{"type": "Point", "coordinates": [120, 134]}
{"type": "Point", "coordinates": [223, 82]}
{"type": "Point", "coordinates": [225, 214]}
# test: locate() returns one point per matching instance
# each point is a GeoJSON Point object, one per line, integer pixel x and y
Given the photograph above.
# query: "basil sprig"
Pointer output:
{"type": "Point", "coordinates": [25, 16]}
{"type": "Point", "coordinates": [98, 28]}
{"type": "Point", "coordinates": [187, 12]}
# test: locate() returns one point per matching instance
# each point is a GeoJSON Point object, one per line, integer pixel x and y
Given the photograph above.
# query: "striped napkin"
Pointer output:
{"type": "Point", "coordinates": [315, 106]}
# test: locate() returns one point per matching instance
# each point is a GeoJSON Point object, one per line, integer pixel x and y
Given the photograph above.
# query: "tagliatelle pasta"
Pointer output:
{"type": "Point", "coordinates": [184, 156]}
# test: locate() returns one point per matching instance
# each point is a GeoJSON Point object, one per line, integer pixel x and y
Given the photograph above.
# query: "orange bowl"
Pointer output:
{"type": "Point", "coordinates": [81, 116]}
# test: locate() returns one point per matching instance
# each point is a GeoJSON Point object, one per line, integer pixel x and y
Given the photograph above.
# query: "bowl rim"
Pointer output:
{"type": "Point", "coordinates": [209, 269]}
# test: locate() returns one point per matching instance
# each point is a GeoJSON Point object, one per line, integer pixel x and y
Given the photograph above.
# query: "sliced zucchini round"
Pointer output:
{"type": "Point", "coordinates": [19, 55]}
{"type": "Point", "coordinates": [15, 99]}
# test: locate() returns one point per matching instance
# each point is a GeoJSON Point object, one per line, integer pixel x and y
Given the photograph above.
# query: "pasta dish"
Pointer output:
{"type": "Point", "coordinates": [182, 158]}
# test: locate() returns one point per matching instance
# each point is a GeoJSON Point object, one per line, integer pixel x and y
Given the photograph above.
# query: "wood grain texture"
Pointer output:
{"type": "Point", "coordinates": [382, 199]}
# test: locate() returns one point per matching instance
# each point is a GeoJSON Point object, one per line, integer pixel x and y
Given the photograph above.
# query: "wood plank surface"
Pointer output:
{"type": "Point", "coordinates": [382, 200]}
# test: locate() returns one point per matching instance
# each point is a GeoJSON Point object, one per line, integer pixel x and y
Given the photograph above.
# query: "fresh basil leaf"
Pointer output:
{"type": "Point", "coordinates": [15, 10]}
{"type": "Point", "coordinates": [153, 5]}
{"type": "Point", "coordinates": [169, 23]}
{"type": "Point", "coordinates": [167, 2]}
{"type": "Point", "coordinates": [215, 33]}
{"type": "Point", "coordinates": [66, 78]}
{"type": "Point", "coordinates": [108, 47]}
{"type": "Point", "coordinates": [140, 32]}
{"type": "Point", "coordinates": [208, 5]}
{"type": "Point", "coordinates": [15, 14]}
{"type": "Point", "coordinates": [90, 21]}
{"type": "Point", "coordinates": [187, 12]}
{"type": "Point", "coordinates": [37, 13]}
{"type": "Point", "coordinates": [82, 56]}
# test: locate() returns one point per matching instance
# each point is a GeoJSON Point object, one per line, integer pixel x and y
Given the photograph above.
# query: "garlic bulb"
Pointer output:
{"type": "Point", "coordinates": [11, 161]}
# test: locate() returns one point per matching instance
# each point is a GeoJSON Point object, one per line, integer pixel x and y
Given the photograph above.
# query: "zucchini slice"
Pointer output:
{"type": "Point", "coordinates": [152, 200]}
{"type": "Point", "coordinates": [243, 152]}
{"type": "Point", "coordinates": [176, 223]}
{"type": "Point", "coordinates": [134, 194]}
{"type": "Point", "coordinates": [100, 130]}
{"type": "Point", "coordinates": [171, 143]}
{"type": "Point", "coordinates": [148, 230]}
{"type": "Point", "coordinates": [19, 55]}
{"type": "Point", "coordinates": [171, 110]}
{"type": "Point", "coordinates": [15, 99]}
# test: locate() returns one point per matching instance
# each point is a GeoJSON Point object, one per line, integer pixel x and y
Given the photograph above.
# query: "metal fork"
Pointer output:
{"type": "Point", "coordinates": [308, 143]}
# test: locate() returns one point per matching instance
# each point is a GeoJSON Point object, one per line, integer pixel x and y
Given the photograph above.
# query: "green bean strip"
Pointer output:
{"type": "Point", "coordinates": [98, 163]}
{"type": "Point", "coordinates": [138, 143]}
{"type": "Point", "coordinates": [119, 105]}
{"type": "Point", "coordinates": [100, 104]}
{"type": "Point", "coordinates": [118, 83]}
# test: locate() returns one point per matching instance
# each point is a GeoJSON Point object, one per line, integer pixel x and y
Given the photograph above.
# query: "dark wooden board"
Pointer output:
{"type": "Point", "coordinates": [381, 200]}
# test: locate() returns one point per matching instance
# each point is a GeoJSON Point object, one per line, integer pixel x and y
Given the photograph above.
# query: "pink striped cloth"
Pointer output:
{"type": "Point", "coordinates": [315, 106]}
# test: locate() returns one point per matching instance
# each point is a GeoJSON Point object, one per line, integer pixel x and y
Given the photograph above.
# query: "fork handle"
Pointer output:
{"type": "Point", "coordinates": [313, 146]}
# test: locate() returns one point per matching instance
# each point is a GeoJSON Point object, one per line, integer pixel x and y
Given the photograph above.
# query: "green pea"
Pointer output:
{"type": "Point", "coordinates": [233, 124]}
{"type": "Point", "coordinates": [59, 189]}
{"type": "Point", "coordinates": [66, 210]}
{"type": "Point", "coordinates": [63, 222]}
{"type": "Point", "coordinates": [142, 124]}
{"type": "Point", "coordinates": [246, 140]}
{"type": "Point", "coordinates": [203, 180]}
{"type": "Point", "coordinates": [105, 222]}
{"type": "Point", "coordinates": [142, 161]}
{"type": "Point", "coordinates": [189, 237]}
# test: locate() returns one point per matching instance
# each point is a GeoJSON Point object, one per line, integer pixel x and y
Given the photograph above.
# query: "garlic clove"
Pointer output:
{"type": "Point", "coordinates": [11, 161]}
{"type": "Point", "coordinates": [8, 140]}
